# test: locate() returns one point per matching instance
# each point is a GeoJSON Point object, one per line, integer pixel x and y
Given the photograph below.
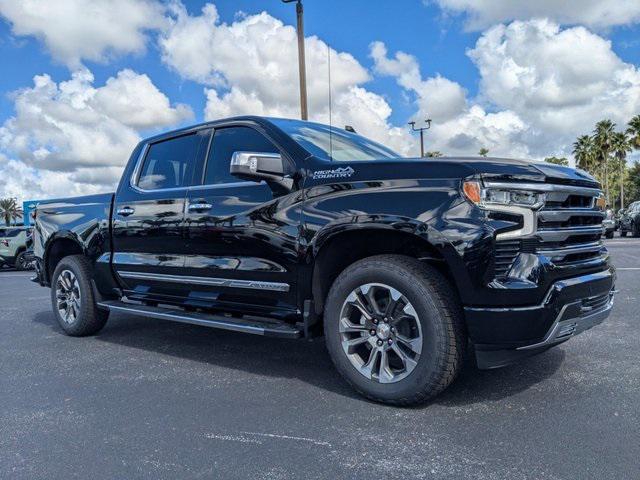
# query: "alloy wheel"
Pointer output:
{"type": "Point", "coordinates": [380, 332]}
{"type": "Point", "coordinates": [68, 296]}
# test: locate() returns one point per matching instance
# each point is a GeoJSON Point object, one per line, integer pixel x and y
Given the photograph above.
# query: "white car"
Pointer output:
{"type": "Point", "coordinates": [13, 247]}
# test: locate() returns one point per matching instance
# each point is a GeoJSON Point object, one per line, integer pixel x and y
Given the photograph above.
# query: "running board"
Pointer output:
{"type": "Point", "coordinates": [266, 327]}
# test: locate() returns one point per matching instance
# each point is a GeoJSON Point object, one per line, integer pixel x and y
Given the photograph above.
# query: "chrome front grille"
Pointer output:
{"type": "Point", "coordinates": [569, 227]}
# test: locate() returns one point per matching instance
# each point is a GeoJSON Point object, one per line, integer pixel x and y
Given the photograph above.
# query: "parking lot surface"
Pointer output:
{"type": "Point", "coordinates": [154, 399]}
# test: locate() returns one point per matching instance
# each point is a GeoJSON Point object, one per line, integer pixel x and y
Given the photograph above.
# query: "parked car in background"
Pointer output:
{"type": "Point", "coordinates": [609, 223]}
{"type": "Point", "coordinates": [630, 220]}
{"type": "Point", "coordinates": [13, 247]}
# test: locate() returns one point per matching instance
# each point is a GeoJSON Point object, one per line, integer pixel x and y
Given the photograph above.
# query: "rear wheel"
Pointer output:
{"type": "Point", "coordinates": [394, 329]}
{"type": "Point", "coordinates": [21, 262]}
{"type": "Point", "coordinates": [73, 300]}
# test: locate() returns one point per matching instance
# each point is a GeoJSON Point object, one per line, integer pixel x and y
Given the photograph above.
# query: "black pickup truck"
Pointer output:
{"type": "Point", "coordinates": [294, 229]}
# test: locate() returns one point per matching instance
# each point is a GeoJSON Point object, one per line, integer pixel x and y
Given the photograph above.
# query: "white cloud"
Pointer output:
{"type": "Point", "coordinates": [250, 67]}
{"type": "Point", "coordinates": [459, 127]}
{"type": "Point", "coordinates": [559, 81]}
{"type": "Point", "coordinates": [596, 13]}
{"type": "Point", "coordinates": [73, 133]}
{"type": "Point", "coordinates": [74, 30]}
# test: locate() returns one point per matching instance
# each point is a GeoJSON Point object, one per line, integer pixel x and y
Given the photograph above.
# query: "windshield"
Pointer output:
{"type": "Point", "coordinates": [334, 143]}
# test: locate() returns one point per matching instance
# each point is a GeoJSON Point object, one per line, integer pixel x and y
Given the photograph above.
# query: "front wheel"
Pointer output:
{"type": "Point", "coordinates": [609, 234]}
{"type": "Point", "coordinates": [394, 329]}
{"type": "Point", "coordinates": [73, 300]}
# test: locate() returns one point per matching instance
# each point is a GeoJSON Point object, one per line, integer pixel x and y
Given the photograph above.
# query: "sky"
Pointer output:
{"type": "Point", "coordinates": [82, 81]}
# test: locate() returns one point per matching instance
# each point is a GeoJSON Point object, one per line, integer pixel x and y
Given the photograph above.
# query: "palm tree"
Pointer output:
{"type": "Point", "coordinates": [483, 152]}
{"type": "Point", "coordinates": [583, 153]}
{"type": "Point", "coordinates": [10, 210]}
{"type": "Point", "coordinates": [620, 146]}
{"type": "Point", "coordinates": [634, 132]}
{"type": "Point", "coordinates": [603, 138]}
{"type": "Point", "coordinates": [557, 161]}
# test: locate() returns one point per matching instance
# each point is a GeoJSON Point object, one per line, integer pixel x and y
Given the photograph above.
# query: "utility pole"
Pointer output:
{"type": "Point", "coordinates": [301, 61]}
{"type": "Point", "coordinates": [421, 130]}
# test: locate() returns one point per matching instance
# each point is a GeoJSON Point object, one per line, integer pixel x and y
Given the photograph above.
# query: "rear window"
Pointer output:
{"type": "Point", "coordinates": [166, 164]}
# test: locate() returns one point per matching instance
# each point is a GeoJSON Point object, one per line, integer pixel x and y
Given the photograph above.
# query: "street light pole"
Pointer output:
{"type": "Point", "coordinates": [301, 60]}
{"type": "Point", "coordinates": [421, 130]}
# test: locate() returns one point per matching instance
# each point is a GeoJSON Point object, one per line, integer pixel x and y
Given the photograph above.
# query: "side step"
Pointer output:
{"type": "Point", "coordinates": [255, 325]}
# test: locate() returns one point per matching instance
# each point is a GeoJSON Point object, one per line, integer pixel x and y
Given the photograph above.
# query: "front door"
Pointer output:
{"type": "Point", "coordinates": [242, 235]}
{"type": "Point", "coordinates": [149, 238]}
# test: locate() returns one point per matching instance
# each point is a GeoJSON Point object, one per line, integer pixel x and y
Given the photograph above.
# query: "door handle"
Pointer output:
{"type": "Point", "coordinates": [195, 207]}
{"type": "Point", "coordinates": [125, 211]}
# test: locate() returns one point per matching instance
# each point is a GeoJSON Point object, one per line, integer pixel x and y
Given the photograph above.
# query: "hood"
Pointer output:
{"type": "Point", "coordinates": [494, 169]}
{"type": "Point", "coordinates": [507, 169]}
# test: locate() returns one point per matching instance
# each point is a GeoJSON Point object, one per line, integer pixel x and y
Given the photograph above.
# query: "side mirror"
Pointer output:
{"type": "Point", "coordinates": [258, 166]}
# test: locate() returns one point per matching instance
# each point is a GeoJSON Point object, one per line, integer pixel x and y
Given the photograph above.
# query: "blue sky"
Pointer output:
{"type": "Point", "coordinates": [506, 78]}
{"type": "Point", "coordinates": [439, 44]}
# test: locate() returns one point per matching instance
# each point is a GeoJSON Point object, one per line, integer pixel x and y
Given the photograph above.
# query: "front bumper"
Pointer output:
{"type": "Point", "coordinates": [609, 226]}
{"type": "Point", "coordinates": [504, 335]}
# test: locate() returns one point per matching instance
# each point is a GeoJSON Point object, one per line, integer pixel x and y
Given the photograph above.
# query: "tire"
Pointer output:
{"type": "Point", "coordinates": [609, 234]}
{"type": "Point", "coordinates": [72, 278]}
{"type": "Point", "coordinates": [20, 263]}
{"type": "Point", "coordinates": [438, 321]}
{"type": "Point", "coordinates": [623, 233]}
{"type": "Point", "coordinates": [635, 229]}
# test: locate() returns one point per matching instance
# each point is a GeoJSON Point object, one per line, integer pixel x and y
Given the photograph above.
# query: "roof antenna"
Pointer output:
{"type": "Point", "coordinates": [330, 119]}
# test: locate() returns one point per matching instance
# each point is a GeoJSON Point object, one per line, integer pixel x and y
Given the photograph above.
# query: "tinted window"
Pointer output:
{"type": "Point", "coordinates": [228, 140]}
{"type": "Point", "coordinates": [166, 163]}
{"type": "Point", "coordinates": [14, 232]}
{"type": "Point", "coordinates": [333, 143]}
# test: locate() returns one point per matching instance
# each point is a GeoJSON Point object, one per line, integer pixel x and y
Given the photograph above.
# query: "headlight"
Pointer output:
{"type": "Point", "coordinates": [486, 197]}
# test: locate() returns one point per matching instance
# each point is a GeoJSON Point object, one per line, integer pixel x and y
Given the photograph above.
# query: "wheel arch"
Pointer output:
{"type": "Point", "coordinates": [335, 250]}
{"type": "Point", "coordinates": [59, 246]}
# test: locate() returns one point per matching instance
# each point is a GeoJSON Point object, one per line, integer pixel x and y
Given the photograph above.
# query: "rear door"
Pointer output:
{"type": "Point", "coordinates": [149, 240]}
{"type": "Point", "coordinates": [242, 235]}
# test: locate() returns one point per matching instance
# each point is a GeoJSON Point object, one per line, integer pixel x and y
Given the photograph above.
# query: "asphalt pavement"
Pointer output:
{"type": "Point", "coordinates": [158, 400]}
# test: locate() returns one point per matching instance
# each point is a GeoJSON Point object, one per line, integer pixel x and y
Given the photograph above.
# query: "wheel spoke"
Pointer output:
{"type": "Point", "coordinates": [385, 375]}
{"type": "Point", "coordinates": [368, 293]}
{"type": "Point", "coordinates": [357, 302]}
{"type": "Point", "coordinates": [350, 345]}
{"type": "Point", "coordinates": [413, 344]}
{"type": "Point", "coordinates": [408, 362]}
{"type": "Point", "coordinates": [367, 368]}
{"type": "Point", "coordinates": [395, 298]}
{"type": "Point", "coordinates": [346, 326]}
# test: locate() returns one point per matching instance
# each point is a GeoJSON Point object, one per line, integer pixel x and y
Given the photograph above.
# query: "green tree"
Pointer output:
{"type": "Point", "coordinates": [434, 154]}
{"type": "Point", "coordinates": [583, 152]}
{"type": "Point", "coordinates": [483, 152]}
{"type": "Point", "coordinates": [557, 160]}
{"type": "Point", "coordinates": [620, 146]}
{"type": "Point", "coordinates": [632, 184]}
{"type": "Point", "coordinates": [603, 139]}
{"type": "Point", "coordinates": [634, 132]}
{"type": "Point", "coordinates": [10, 210]}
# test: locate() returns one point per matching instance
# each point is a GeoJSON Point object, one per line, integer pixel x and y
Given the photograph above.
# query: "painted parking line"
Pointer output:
{"type": "Point", "coordinates": [627, 268]}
